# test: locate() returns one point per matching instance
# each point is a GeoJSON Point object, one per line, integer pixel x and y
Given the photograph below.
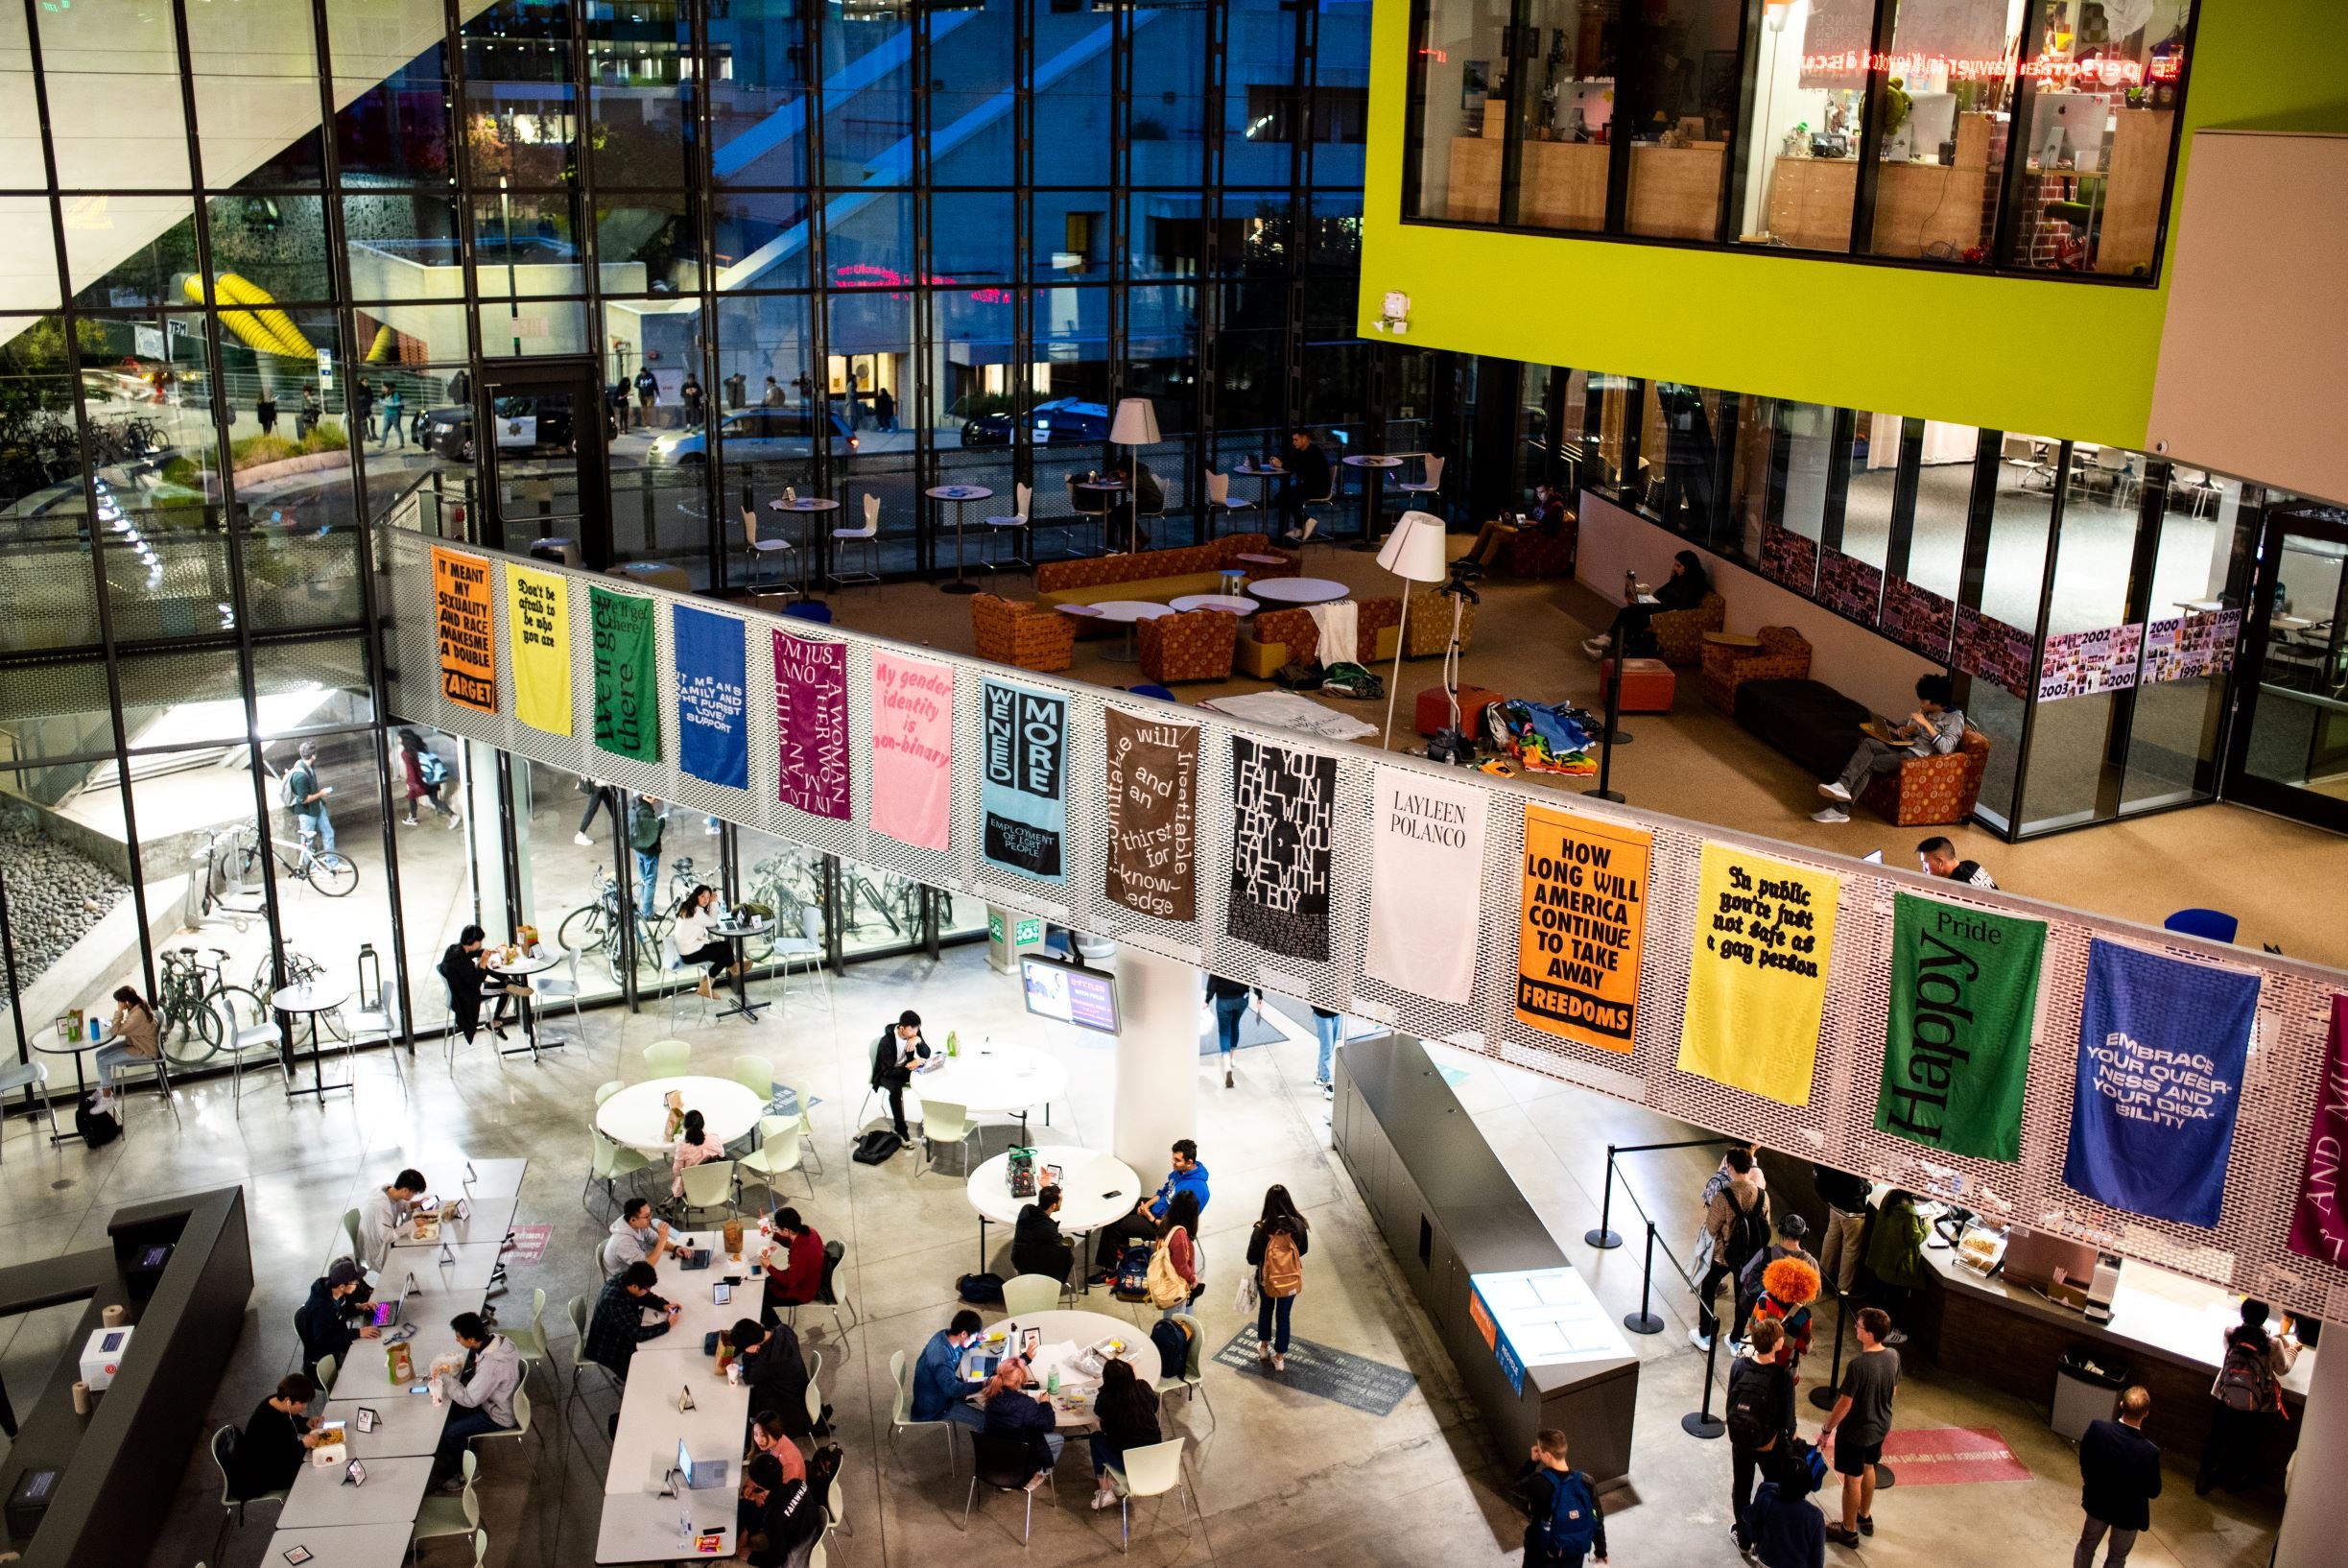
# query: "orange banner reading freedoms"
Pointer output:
{"type": "Point", "coordinates": [468, 620]}
{"type": "Point", "coordinates": [1586, 915]}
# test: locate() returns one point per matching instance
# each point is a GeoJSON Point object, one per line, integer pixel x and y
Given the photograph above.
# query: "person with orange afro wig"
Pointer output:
{"type": "Point", "coordinates": [1787, 1288]}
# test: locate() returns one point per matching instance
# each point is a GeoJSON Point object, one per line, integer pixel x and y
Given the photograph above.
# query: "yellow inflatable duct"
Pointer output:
{"type": "Point", "coordinates": [262, 326]}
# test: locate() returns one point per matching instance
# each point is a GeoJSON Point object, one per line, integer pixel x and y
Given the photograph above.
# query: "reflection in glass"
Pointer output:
{"type": "Point", "coordinates": [273, 244]}
{"type": "Point", "coordinates": [520, 100]}
{"type": "Point", "coordinates": [127, 250]}
{"type": "Point", "coordinates": [255, 66]}
{"type": "Point", "coordinates": [640, 97]}
{"type": "Point", "coordinates": [44, 515]}
{"type": "Point", "coordinates": [402, 245]}
{"type": "Point", "coordinates": [757, 94]}
{"type": "Point", "coordinates": [1801, 162]}
{"type": "Point", "coordinates": [1459, 83]}
{"type": "Point", "coordinates": [395, 120]}
{"type": "Point", "coordinates": [1685, 99]}
{"type": "Point", "coordinates": [96, 61]}
{"type": "Point", "coordinates": [868, 118]}
{"type": "Point", "coordinates": [1946, 116]}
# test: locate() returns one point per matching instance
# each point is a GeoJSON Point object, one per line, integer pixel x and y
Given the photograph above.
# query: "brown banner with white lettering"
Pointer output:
{"type": "Point", "coordinates": [1153, 796]}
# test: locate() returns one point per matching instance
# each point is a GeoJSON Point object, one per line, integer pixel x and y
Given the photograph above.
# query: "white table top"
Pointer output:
{"type": "Point", "coordinates": [637, 1117]}
{"type": "Point", "coordinates": [322, 998]}
{"type": "Point", "coordinates": [644, 1528]}
{"type": "Point", "coordinates": [805, 503]}
{"type": "Point", "coordinates": [492, 1178]}
{"type": "Point", "coordinates": [47, 1040]}
{"type": "Point", "coordinates": [1357, 461]}
{"type": "Point", "coordinates": [345, 1546]}
{"type": "Point", "coordinates": [476, 1262]}
{"type": "Point", "coordinates": [1233, 603]}
{"type": "Point", "coordinates": [1110, 485]}
{"type": "Point", "coordinates": [365, 1372]}
{"type": "Point", "coordinates": [1255, 470]}
{"type": "Point", "coordinates": [957, 492]}
{"type": "Point", "coordinates": [1085, 1173]}
{"type": "Point", "coordinates": [406, 1425]}
{"type": "Point", "coordinates": [492, 1218]}
{"type": "Point", "coordinates": [1074, 1331]}
{"type": "Point", "coordinates": [1124, 611]}
{"type": "Point", "coordinates": [689, 1288]}
{"type": "Point", "coordinates": [740, 930]}
{"type": "Point", "coordinates": [651, 1425]}
{"type": "Point", "coordinates": [1299, 590]}
{"type": "Point", "coordinates": [532, 964]}
{"type": "Point", "coordinates": [393, 1493]}
{"type": "Point", "coordinates": [994, 1080]}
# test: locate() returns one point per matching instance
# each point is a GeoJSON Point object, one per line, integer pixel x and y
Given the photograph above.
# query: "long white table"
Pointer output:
{"type": "Point", "coordinates": [345, 1546]}
{"type": "Point", "coordinates": [645, 1528]}
{"type": "Point", "coordinates": [651, 1425]}
{"type": "Point", "coordinates": [393, 1493]}
{"type": "Point", "coordinates": [469, 1269]}
{"type": "Point", "coordinates": [406, 1424]}
{"type": "Point", "coordinates": [490, 1220]}
{"type": "Point", "coordinates": [490, 1178]}
{"type": "Point", "coordinates": [364, 1373]}
{"type": "Point", "coordinates": [690, 1288]}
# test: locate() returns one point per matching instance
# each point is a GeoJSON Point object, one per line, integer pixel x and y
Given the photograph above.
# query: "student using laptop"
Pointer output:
{"type": "Point", "coordinates": [637, 1238]}
{"type": "Point", "coordinates": [938, 1393]}
{"type": "Point", "coordinates": [385, 1210]}
{"type": "Point", "coordinates": [319, 1321]}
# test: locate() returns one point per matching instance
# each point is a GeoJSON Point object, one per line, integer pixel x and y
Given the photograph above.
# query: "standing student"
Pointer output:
{"type": "Point", "coordinates": [1330, 1026]}
{"type": "Point", "coordinates": [1737, 1223]}
{"type": "Point", "coordinates": [1860, 1422]}
{"type": "Point", "coordinates": [385, 1210]}
{"type": "Point", "coordinates": [689, 397]}
{"type": "Point", "coordinates": [618, 1325]}
{"type": "Point", "coordinates": [1037, 1246]}
{"type": "Point", "coordinates": [1127, 1409]}
{"type": "Point", "coordinates": [307, 796]}
{"type": "Point", "coordinates": [648, 398]}
{"type": "Point", "coordinates": [1840, 1248]}
{"type": "Point", "coordinates": [135, 1035]}
{"type": "Point", "coordinates": [1174, 1265]}
{"type": "Point", "coordinates": [1229, 999]}
{"type": "Point", "coordinates": [647, 821]}
{"type": "Point", "coordinates": [1787, 1288]}
{"type": "Point", "coordinates": [938, 1394]}
{"type": "Point", "coordinates": [1760, 1412]}
{"type": "Point", "coordinates": [636, 1237]}
{"type": "Point", "coordinates": [896, 1057]}
{"type": "Point", "coordinates": [1895, 1250]}
{"type": "Point", "coordinates": [483, 1393]}
{"type": "Point", "coordinates": [394, 425]}
{"type": "Point", "coordinates": [363, 405]}
{"type": "Point", "coordinates": [1786, 1528]}
{"type": "Point", "coordinates": [884, 409]}
{"type": "Point", "coordinates": [1792, 1227]}
{"type": "Point", "coordinates": [2249, 1392]}
{"type": "Point", "coordinates": [1566, 1526]}
{"type": "Point", "coordinates": [1275, 1252]}
{"type": "Point", "coordinates": [1188, 1174]}
{"type": "Point", "coordinates": [2120, 1475]}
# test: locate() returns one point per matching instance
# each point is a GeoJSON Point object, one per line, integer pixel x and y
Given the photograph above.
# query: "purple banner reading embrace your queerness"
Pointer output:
{"type": "Point", "coordinates": [811, 725]}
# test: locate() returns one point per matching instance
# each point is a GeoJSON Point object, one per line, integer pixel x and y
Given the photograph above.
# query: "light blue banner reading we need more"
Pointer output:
{"type": "Point", "coordinates": [713, 716]}
{"type": "Point", "coordinates": [1023, 792]}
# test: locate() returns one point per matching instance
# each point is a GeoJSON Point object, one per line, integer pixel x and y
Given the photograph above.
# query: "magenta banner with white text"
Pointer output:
{"type": "Point", "coordinates": [811, 725]}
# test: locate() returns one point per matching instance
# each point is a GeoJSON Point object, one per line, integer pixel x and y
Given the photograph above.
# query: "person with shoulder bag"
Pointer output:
{"type": "Point", "coordinates": [1173, 1263]}
{"type": "Point", "coordinates": [1276, 1250]}
{"type": "Point", "coordinates": [1566, 1526]}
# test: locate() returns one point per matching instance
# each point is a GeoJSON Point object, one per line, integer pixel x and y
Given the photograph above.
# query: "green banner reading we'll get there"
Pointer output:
{"type": "Point", "coordinates": [1957, 1048]}
{"type": "Point", "coordinates": [627, 685]}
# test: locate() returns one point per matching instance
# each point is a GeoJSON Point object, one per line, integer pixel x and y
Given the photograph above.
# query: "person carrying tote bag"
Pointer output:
{"type": "Point", "coordinates": [1276, 1250]}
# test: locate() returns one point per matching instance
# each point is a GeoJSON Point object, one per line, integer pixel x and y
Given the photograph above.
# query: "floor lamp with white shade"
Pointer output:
{"type": "Point", "coordinates": [1414, 552]}
{"type": "Point", "coordinates": [1136, 424]}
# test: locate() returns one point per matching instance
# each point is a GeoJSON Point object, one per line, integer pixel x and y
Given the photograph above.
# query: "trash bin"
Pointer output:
{"type": "Point", "coordinates": [2087, 1385]}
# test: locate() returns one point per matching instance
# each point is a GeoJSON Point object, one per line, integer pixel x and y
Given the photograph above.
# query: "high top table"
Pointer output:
{"type": "Point", "coordinates": [962, 495]}
{"type": "Point", "coordinates": [308, 1002]}
{"type": "Point", "coordinates": [734, 933]}
{"type": "Point", "coordinates": [1373, 470]}
{"type": "Point", "coordinates": [520, 971]}
{"type": "Point", "coordinates": [805, 507]}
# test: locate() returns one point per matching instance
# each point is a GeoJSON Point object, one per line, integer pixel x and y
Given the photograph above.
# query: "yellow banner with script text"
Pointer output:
{"type": "Point", "coordinates": [538, 630]}
{"type": "Point", "coordinates": [1757, 977]}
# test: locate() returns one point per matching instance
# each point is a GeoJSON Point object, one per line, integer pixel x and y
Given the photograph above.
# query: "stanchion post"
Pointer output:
{"type": "Point", "coordinates": [1700, 1422]}
{"type": "Point", "coordinates": [1604, 1238]}
{"type": "Point", "coordinates": [1823, 1396]}
{"type": "Point", "coordinates": [1643, 1321]}
{"type": "Point", "coordinates": [1613, 735]}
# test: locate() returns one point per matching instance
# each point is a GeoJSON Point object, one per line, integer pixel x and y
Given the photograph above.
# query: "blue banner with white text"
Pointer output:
{"type": "Point", "coordinates": [713, 712]}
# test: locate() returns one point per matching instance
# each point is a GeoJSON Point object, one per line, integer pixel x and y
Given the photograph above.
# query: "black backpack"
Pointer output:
{"type": "Point", "coordinates": [1748, 1231]}
{"type": "Point", "coordinates": [1132, 1278]}
{"type": "Point", "coordinates": [979, 1289]}
{"type": "Point", "coordinates": [98, 1128]}
{"type": "Point", "coordinates": [1747, 1412]}
{"type": "Point", "coordinates": [1173, 1346]}
{"type": "Point", "coordinates": [877, 1147]}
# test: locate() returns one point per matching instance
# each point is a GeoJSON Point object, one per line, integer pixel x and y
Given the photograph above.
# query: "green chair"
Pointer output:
{"type": "Point", "coordinates": [901, 1412]}
{"type": "Point", "coordinates": [604, 1091]}
{"type": "Point", "coordinates": [609, 1164]}
{"type": "Point", "coordinates": [1152, 1471]}
{"type": "Point", "coordinates": [457, 1516]}
{"type": "Point", "coordinates": [668, 1059]}
{"type": "Point", "coordinates": [943, 1122]}
{"type": "Point", "coordinates": [521, 1423]}
{"type": "Point", "coordinates": [577, 1311]}
{"type": "Point", "coordinates": [807, 1128]}
{"type": "Point", "coordinates": [233, 1507]}
{"type": "Point", "coordinates": [531, 1341]}
{"type": "Point", "coordinates": [326, 1368]}
{"type": "Point", "coordinates": [755, 1072]}
{"type": "Point", "coordinates": [779, 1150]}
{"type": "Point", "coordinates": [1191, 1379]}
{"type": "Point", "coordinates": [350, 1228]}
{"type": "Point", "coordinates": [709, 1185]}
{"type": "Point", "coordinates": [1026, 1293]}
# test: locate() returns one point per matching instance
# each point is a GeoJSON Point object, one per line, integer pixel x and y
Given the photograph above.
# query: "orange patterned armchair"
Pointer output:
{"type": "Point", "coordinates": [1028, 636]}
{"type": "Point", "coordinates": [1195, 646]}
{"type": "Point", "coordinates": [1430, 631]}
{"type": "Point", "coordinates": [1276, 636]}
{"type": "Point", "coordinates": [1679, 633]}
{"type": "Point", "coordinates": [1533, 553]}
{"type": "Point", "coordinates": [1931, 790]}
{"type": "Point", "coordinates": [1784, 655]}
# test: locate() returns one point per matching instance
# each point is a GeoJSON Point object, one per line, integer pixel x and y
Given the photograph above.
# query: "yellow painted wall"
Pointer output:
{"type": "Point", "coordinates": [2050, 357]}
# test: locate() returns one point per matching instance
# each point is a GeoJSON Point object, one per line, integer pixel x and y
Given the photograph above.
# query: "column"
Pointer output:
{"type": "Point", "coordinates": [2316, 1516]}
{"type": "Point", "coordinates": [1157, 1061]}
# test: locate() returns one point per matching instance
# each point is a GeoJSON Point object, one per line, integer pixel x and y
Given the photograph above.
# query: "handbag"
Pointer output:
{"type": "Point", "coordinates": [1244, 1303]}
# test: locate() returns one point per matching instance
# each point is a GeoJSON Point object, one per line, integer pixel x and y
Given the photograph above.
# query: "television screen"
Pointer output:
{"type": "Point", "coordinates": [1086, 998]}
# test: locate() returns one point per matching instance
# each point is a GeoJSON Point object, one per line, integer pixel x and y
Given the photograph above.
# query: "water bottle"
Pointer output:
{"type": "Point", "coordinates": [953, 1046]}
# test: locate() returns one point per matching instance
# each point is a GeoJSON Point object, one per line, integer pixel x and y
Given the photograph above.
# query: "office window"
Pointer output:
{"type": "Point", "coordinates": [1460, 106]}
{"type": "Point", "coordinates": [1685, 100]}
{"type": "Point", "coordinates": [1801, 157]}
{"type": "Point", "coordinates": [1946, 119]}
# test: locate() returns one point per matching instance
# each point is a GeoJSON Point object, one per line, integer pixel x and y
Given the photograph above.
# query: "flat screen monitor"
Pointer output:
{"type": "Point", "coordinates": [2066, 119]}
{"type": "Point", "coordinates": [1069, 992]}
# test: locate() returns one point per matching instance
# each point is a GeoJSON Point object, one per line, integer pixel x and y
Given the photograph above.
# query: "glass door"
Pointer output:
{"type": "Point", "coordinates": [2290, 735]}
{"type": "Point", "coordinates": [542, 465]}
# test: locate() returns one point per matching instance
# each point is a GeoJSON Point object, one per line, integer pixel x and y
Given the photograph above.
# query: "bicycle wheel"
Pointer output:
{"type": "Point", "coordinates": [332, 874]}
{"type": "Point", "coordinates": [199, 1033]}
{"type": "Point", "coordinates": [585, 929]}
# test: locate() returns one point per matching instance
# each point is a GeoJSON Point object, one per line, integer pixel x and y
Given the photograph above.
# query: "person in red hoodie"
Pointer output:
{"type": "Point", "coordinates": [797, 1279]}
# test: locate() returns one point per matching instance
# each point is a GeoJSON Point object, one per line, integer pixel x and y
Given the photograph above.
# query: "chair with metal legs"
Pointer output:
{"type": "Point", "coordinates": [35, 1075]}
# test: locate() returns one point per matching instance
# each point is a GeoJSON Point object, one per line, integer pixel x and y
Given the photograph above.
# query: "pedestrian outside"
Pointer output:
{"type": "Point", "coordinates": [307, 796]}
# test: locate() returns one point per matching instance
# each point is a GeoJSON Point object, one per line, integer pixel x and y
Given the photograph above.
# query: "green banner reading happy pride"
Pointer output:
{"type": "Point", "coordinates": [1957, 1052]}
{"type": "Point", "coordinates": [627, 689]}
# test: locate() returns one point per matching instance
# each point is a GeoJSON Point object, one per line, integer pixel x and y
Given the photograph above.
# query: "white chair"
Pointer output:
{"type": "Point", "coordinates": [563, 986]}
{"type": "Point", "coordinates": [1429, 485]}
{"type": "Point", "coordinates": [868, 536]}
{"type": "Point", "coordinates": [1014, 529]}
{"type": "Point", "coordinates": [1024, 1294]}
{"type": "Point", "coordinates": [32, 1075]}
{"type": "Point", "coordinates": [376, 1025]}
{"type": "Point", "coordinates": [668, 1059]}
{"type": "Point", "coordinates": [901, 1414]}
{"type": "Point", "coordinates": [1219, 494]}
{"type": "Point", "coordinates": [521, 1423]}
{"type": "Point", "coordinates": [815, 1390]}
{"type": "Point", "coordinates": [157, 1065]}
{"type": "Point", "coordinates": [777, 1152]}
{"type": "Point", "coordinates": [806, 948]}
{"type": "Point", "coordinates": [807, 1128]}
{"type": "Point", "coordinates": [710, 1185]}
{"type": "Point", "coordinates": [1152, 1471]}
{"type": "Point", "coordinates": [943, 1122]}
{"type": "Point", "coordinates": [236, 1037]}
{"type": "Point", "coordinates": [457, 1516]}
{"type": "Point", "coordinates": [763, 552]}
{"type": "Point", "coordinates": [673, 965]}
{"type": "Point", "coordinates": [606, 1090]}
{"type": "Point", "coordinates": [1190, 1378]}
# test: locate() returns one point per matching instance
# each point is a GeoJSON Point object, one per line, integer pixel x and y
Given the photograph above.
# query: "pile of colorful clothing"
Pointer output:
{"type": "Point", "coordinates": [1546, 738]}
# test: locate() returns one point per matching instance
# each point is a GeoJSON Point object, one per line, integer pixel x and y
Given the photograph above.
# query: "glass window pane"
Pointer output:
{"type": "Point", "coordinates": [1340, 95]}
{"type": "Point", "coordinates": [1069, 237]}
{"type": "Point", "coordinates": [647, 244]}
{"type": "Point", "coordinates": [787, 878]}
{"type": "Point", "coordinates": [1945, 121]}
{"type": "Point", "coordinates": [2172, 738]}
{"type": "Point", "coordinates": [762, 240]}
{"type": "Point", "coordinates": [275, 244]}
{"type": "Point", "coordinates": [2022, 512]}
{"type": "Point", "coordinates": [870, 239]}
{"type": "Point", "coordinates": [568, 890]}
{"type": "Point", "coordinates": [869, 116]}
{"type": "Point", "coordinates": [1167, 128]}
{"type": "Point", "coordinates": [1686, 94]}
{"type": "Point", "coordinates": [51, 594]}
{"type": "Point", "coordinates": [766, 439]}
{"type": "Point", "coordinates": [20, 153]}
{"type": "Point", "coordinates": [970, 104]}
{"type": "Point", "coordinates": [520, 99]}
{"type": "Point", "coordinates": [1263, 117]}
{"type": "Point", "coordinates": [872, 347]}
{"type": "Point", "coordinates": [1072, 98]}
{"type": "Point", "coordinates": [526, 328]}
{"type": "Point", "coordinates": [402, 245]}
{"type": "Point", "coordinates": [641, 98]}
{"type": "Point", "coordinates": [95, 61]}
{"type": "Point", "coordinates": [971, 240]}
{"type": "Point", "coordinates": [395, 120]}
{"type": "Point", "coordinates": [127, 250]}
{"type": "Point", "coordinates": [158, 468]}
{"type": "Point", "coordinates": [72, 837]}
{"type": "Point", "coordinates": [28, 262]}
{"type": "Point", "coordinates": [976, 365]}
{"type": "Point", "coordinates": [526, 245]}
{"type": "Point", "coordinates": [1460, 68]}
{"type": "Point", "coordinates": [255, 65]}
{"type": "Point", "coordinates": [660, 460]}
{"type": "Point", "coordinates": [758, 93]}
{"type": "Point", "coordinates": [1801, 158]}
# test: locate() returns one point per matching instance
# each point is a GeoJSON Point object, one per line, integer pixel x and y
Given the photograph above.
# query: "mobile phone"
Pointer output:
{"type": "Point", "coordinates": [721, 1294]}
{"type": "Point", "coordinates": [298, 1554]}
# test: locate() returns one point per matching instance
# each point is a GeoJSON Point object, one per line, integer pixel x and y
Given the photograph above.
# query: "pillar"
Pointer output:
{"type": "Point", "coordinates": [1157, 1061]}
{"type": "Point", "coordinates": [2316, 1516]}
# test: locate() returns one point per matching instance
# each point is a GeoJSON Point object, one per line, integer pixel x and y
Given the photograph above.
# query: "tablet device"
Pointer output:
{"type": "Point", "coordinates": [721, 1294]}
{"type": "Point", "coordinates": [366, 1419]}
{"type": "Point", "coordinates": [694, 1259]}
{"type": "Point", "coordinates": [426, 1204]}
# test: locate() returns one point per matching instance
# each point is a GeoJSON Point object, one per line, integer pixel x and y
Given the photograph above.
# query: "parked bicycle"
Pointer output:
{"type": "Point", "coordinates": [594, 927]}
{"type": "Point", "coordinates": [329, 872]}
{"type": "Point", "coordinates": [189, 1001]}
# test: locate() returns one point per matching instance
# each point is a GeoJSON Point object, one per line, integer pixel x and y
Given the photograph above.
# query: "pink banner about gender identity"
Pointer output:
{"type": "Point", "coordinates": [2319, 1225]}
{"type": "Point", "coordinates": [811, 725]}
{"type": "Point", "coordinates": [912, 750]}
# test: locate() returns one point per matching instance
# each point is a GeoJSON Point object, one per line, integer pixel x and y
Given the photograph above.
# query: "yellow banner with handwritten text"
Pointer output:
{"type": "Point", "coordinates": [538, 630]}
{"type": "Point", "coordinates": [1757, 977]}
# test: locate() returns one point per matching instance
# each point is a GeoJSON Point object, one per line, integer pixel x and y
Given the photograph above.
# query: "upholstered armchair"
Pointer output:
{"type": "Point", "coordinates": [1195, 646]}
{"type": "Point", "coordinates": [1429, 632]}
{"type": "Point", "coordinates": [1679, 633]}
{"type": "Point", "coordinates": [1784, 655]}
{"type": "Point", "coordinates": [1932, 789]}
{"type": "Point", "coordinates": [1533, 553]}
{"type": "Point", "coordinates": [1028, 636]}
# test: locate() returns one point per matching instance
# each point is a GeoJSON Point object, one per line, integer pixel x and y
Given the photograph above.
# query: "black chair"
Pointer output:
{"type": "Point", "coordinates": [1003, 1464]}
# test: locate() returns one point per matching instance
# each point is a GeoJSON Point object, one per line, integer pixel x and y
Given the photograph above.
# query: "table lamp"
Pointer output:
{"type": "Point", "coordinates": [1414, 552]}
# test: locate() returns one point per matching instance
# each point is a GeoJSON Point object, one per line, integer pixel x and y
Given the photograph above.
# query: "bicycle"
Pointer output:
{"type": "Point", "coordinates": [301, 969]}
{"type": "Point", "coordinates": [329, 872]}
{"type": "Point", "coordinates": [589, 928]}
{"type": "Point", "coordinates": [188, 1003]}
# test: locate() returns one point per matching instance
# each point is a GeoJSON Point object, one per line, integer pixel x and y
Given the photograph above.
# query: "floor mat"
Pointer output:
{"type": "Point", "coordinates": [1353, 1381]}
{"type": "Point", "coordinates": [1951, 1456]}
{"type": "Point", "coordinates": [529, 1244]}
{"type": "Point", "coordinates": [1252, 1030]}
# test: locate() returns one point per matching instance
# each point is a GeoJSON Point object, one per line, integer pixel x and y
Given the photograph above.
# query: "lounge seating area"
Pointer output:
{"type": "Point", "coordinates": [1817, 726]}
{"type": "Point", "coordinates": [1160, 575]}
{"type": "Point", "coordinates": [1023, 634]}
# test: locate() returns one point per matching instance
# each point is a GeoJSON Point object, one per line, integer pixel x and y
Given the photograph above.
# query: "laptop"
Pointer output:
{"type": "Point", "coordinates": [697, 1258]}
{"type": "Point", "coordinates": [382, 1313]}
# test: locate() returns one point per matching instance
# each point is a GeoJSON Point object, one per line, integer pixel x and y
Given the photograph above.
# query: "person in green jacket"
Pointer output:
{"type": "Point", "coordinates": [1895, 1251]}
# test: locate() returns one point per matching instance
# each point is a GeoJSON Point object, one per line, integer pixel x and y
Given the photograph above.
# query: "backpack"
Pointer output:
{"type": "Point", "coordinates": [289, 792]}
{"type": "Point", "coordinates": [430, 768]}
{"type": "Point", "coordinates": [1748, 1232]}
{"type": "Point", "coordinates": [2241, 1377]}
{"type": "Point", "coordinates": [1283, 1271]}
{"type": "Point", "coordinates": [1298, 675]}
{"type": "Point", "coordinates": [1165, 1287]}
{"type": "Point", "coordinates": [877, 1147]}
{"type": "Point", "coordinates": [1566, 1522]}
{"type": "Point", "coordinates": [1749, 1277]}
{"type": "Point", "coordinates": [979, 1288]}
{"type": "Point", "coordinates": [1748, 1413]}
{"type": "Point", "coordinates": [98, 1128]}
{"type": "Point", "coordinates": [1173, 1345]}
{"type": "Point", "coordinates": [1132, 1282]}
{"type": "Point", "coordinates": [1346, 678]}
{"type": "Point", "coordinates": [1805, 1466]}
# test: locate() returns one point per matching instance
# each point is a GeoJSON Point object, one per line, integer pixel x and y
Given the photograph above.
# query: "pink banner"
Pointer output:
{"type": "Point", "coordinates": [912, 750]}
{"type": "Point", "coordinates": [811, 725]}
{"type": "Point", "coordinates": [2319, 1225]}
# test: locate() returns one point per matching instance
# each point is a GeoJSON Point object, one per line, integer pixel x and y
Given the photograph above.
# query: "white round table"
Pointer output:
{"type": "Point", "coordinates": [537, 962]}
{"type": "Point", "coordinates": [308, 1001]}
{"type": "Point", "coordinates": [734, 933]}
{"type": "Point", "coordinates": [1298, 590]}
{"type": "Point", "coordinates": [962, 495]}
{"type": "Point", "coordinates": [637, 1117]}
{"type": "Point", "coordinates": [1125, 612]}
{"type": "Point", "coordinates": [996, 1081]}
{"type": "Point", "coordinates": [1081, 1330]}
{"type": "Point", "coordinates": [1096, 1187]}
{"type": "Point", "coordinates": [1230, 604]}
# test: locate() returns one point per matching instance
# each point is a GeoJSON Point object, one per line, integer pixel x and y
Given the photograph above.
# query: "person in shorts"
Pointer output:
{"type": "Point", "coordinates": [1860, 1422]}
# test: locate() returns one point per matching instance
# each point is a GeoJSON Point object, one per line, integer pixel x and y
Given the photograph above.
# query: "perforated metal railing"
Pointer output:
{"type": "Point", "coordinates": [2246, 1249]}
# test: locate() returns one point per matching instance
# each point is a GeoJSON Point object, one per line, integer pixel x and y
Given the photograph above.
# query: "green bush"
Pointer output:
{"type": "Point", "coordinates": [252, 451]}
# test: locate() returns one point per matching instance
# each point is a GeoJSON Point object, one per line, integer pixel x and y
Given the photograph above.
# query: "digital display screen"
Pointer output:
{"type": "Point", "coordinates": [1086, 998]}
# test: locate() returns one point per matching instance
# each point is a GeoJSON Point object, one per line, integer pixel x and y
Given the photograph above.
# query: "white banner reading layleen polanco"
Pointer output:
{"type": "Point", "coordinates": [1426, 883]}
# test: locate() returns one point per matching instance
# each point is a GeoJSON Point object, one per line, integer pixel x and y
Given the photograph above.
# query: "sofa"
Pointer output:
{"type": "Point", "coordinates": [1028, 636]}
{"type": "Point", "coordinates": [1277, 636]}
{"type": "Point", "coordinates": [1532, 553]}
{"type": "Point", "coordinates": [1154, 575]}
{"type": "Point", "coordinates": [1817, 726]}
{"type": "Point", "coordinates": [1784, 655]}
{"type": "Point", "coordinates": [1679, 633]}
{"type": "Point", "coordinates": [1195, 646]}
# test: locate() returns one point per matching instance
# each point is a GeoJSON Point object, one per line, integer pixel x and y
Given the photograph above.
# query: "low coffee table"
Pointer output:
{"type": "Point", "coordinates": [1230, 604]}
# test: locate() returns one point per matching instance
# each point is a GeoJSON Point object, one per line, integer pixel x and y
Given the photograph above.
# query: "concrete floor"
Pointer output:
{"type": "Point", "coordinates": [1281, 1475]}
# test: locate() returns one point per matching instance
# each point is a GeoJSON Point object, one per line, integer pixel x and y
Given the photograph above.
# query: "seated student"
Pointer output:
{"type": "Point", "coordinates": [468, 978]}
{"type": "Point", "coordinates": [275, 1444]}
{"type": "Point", "coordinates": [618, 1325]}
{"type": "Point", "coordinates": [319, 1321]}
{"type": "Point", "coordinates": [896, 1057]}
{"type": "Point", "coordinates": [938, 1393]}
{"type": "Point", "coordinates": [775, 1372]}
{"type": "Point", "coordinates": [636, 1237]}
{"type": "Point", "coordinates": [693, 1145]}
{"type": "Point", "coordinates": [1125, 528]}
{"type": "Point", "coordinates": [789, 1516]}
{"type": "Point", "coordinates": [799, 1278]}
{"type": "Point", "coordinates": [1684, 589]}
{"type": "Point", "coordinates": [1309, 479]}
{"type": "Point", "coordinates": [696, 941]}
{"type": "Point", "coordinates": [1934, 730]}
{"type": "Point", "coordinates": [383, 1211]}
{"type": "Point", "coordinates": [481, 1391]}
{"type": "Point", "coordinates": [767, 1436]}
{"type": "Point", "coordinates": [1128, 1412]}
{"type": "Point", "coordinates": [1037, 1246]}
{"type": "Point", "coordinates": [1547, 516]}
{"type": "Point", "coordinates": [1142, 1225]}
{"type": "Point", "coordinates": [1014, 1410]}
